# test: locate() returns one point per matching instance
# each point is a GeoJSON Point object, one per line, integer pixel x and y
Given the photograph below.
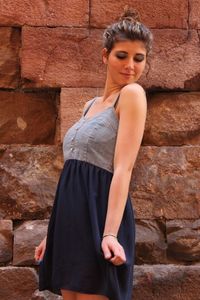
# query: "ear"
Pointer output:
{"type": "Point", "coordinates": [104, 53]}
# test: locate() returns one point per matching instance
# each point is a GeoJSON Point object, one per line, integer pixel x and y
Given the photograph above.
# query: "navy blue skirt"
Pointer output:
{"type": "Point", "coordinates": [73, 258]}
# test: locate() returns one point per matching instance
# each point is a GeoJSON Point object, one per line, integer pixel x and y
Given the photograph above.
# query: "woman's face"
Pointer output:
{"type": "Point", "coordinates": [126, 62]}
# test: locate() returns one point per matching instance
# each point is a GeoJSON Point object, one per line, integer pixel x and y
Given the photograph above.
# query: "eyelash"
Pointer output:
{"type": "Point", "coordinates": [135, 59]}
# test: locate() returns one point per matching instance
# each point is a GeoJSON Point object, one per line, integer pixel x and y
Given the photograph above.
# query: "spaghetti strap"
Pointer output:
{"type": "Point", "coordinates": [88, 107]}
{"type": "Point", "coordinates": [116, 101]}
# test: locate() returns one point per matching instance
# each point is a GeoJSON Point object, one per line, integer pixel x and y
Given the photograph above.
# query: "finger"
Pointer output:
{"type": "Point", "coordinates": [37, 253]}
{"type": "Point", "coordinates": [120, 258]}
{"type": "Point", "coordinates": [117, 261]}
{"type": "Point", "coordinates": [106, 251]}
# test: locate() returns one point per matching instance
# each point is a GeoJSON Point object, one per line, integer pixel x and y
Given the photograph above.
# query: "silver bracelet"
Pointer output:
{"type": "Point", "coordinates": [109, 234]}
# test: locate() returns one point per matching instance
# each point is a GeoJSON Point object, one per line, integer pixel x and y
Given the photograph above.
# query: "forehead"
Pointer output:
{"type": "Point", "coordinates": [130, 46]}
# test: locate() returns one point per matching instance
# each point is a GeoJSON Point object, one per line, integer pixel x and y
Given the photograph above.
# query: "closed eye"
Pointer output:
{"type": "Point", "coordinates": [121, 56]}
{"type": "Point", "coordinates": [139, 58]}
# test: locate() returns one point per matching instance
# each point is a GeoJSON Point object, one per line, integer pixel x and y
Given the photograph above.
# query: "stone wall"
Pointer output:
{"type": "Point", "coordinates": [46, 76]}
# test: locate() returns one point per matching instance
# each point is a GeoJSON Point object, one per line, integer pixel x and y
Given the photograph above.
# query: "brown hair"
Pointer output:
{"type": "Point", "coordinates": [128, 27]}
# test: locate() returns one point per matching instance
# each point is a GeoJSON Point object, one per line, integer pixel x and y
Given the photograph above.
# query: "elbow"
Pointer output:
{"type": "Point", "coordinates": [123, 170]}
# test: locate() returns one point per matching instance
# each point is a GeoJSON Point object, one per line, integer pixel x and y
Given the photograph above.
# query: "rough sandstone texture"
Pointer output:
{"type": "Point", "coordinates": [194, 16]}
{"type": "Point", "coordinates": [33, 171]}
{"type": "Point", "coordinates": [26, 237]}
{"type": "Point", "coordinates": [6, 241]}
{"type": "Point", "coordinates": [166, 282]}
{"type": "Point", "coordinates": [9, 57]}
{"type": "Point", "coordinates": [60, 57]}
{"type": "Point", "coordinates": [174, 63]}
{"type": "Point", "coordinates": [17, 283]}
{"type": "Point", "coordinates": [183, 238]}
{"type": "Point", "coordinates": [156, 14]}
{"type": "Point", "coordinates": [72, 101]}
{"type": "Point", "coordinates": [173, 119]}
{"type": "Point", "coordinates": [27, 117]}
{"type": "Point", "coordinates": [151, 245]}
{"type": "Point", "coordinates": [44, 13]}
{"type": "Point", "coordinates": [165, 183]}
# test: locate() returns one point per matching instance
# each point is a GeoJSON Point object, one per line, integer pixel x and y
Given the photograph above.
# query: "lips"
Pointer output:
{"type": "Point", "coordinates": [127, 74]}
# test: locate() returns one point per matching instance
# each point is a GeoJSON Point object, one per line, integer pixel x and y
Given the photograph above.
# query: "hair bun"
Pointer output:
{"type": "Point", "coordinates": [130, 14]}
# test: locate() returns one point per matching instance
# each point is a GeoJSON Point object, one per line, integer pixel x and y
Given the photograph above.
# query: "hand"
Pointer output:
{"type": "Point", "coordinates": [39, 251]}
{"type": "Point", "coordinates": [113, 250]}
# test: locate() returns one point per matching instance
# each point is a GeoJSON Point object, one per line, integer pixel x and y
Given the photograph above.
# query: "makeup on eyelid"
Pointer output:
{"type": "Point", "coordinates": [137, 58]}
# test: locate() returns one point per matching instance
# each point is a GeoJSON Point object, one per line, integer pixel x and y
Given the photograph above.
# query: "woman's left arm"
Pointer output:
{"type": "Point", "coordinates": [132, 116]}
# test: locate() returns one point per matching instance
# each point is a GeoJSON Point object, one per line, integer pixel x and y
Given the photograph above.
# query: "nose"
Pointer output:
{"type": "Point", "coordinates": [129, 64]}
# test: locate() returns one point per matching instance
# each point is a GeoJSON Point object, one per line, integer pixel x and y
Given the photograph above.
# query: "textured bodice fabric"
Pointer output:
{"type": "Point", "coordinates": [73, 258]}
{"type": "Point", "coordinates": [93, 139]}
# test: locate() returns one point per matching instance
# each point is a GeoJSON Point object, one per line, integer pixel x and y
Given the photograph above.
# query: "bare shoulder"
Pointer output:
{"type": "Point", "coordinates": [133, 95]}
{"type": "Point", "coordinates": [134, 88]}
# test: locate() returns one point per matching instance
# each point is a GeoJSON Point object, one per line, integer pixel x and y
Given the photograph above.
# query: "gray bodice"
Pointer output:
{"type": "Point", "coordinates": [93, 139]}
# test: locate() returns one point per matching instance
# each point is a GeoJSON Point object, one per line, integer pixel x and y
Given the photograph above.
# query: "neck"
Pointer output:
{"type": "Point", "coordinates": [110, 89]}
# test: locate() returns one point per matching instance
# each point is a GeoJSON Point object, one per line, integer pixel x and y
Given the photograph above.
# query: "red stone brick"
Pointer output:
{"type": "Point", "coordinates": [60, 57]}
{"type": "Point", "coordinates": [27, 117]}
{"type": "Point", "coordinates": [174, 61]}
{"type": "Point", "coordinates": [166, 282]}
{"type": "Point", "coordinates": [9, 57]}
{"type": "Point", "coordinates": [27, 236]}
{"type": "Point", "coordinates": [72, 101]}
{"type": "Point", "coordinates": [17, 283]}
{"type": "Point", "coordinates": [29, 175]}
{"type": "Point", "coordinates": [150, 242]}
{"type": "Point", "coordinates": [155, 14]}
{"type": "Point", "coordinates": [183, 240]}
{"type": "Point", "coordinates": [44, 13]}
{"type": "Point", "coordinates": [165, 183]}
{"type": "Point", "coordinates": [6, 240]}
{"type": "Point", "coordinates": [173, 119]}
{"type": "Point", "coordinates": [194, 16]}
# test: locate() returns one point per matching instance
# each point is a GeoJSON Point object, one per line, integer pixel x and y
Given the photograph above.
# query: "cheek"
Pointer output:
{"type": "Point", "coordinates": [140, 68]}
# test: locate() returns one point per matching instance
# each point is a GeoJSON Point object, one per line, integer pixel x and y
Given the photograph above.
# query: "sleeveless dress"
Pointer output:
{"type": "Point", "coordinates": [73, 257]}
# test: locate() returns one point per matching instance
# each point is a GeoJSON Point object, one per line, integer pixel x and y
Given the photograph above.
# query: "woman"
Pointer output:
{"type": "Point", "coordinates": [89, 249]}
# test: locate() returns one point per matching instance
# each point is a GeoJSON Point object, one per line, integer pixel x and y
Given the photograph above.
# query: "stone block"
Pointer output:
{"type": "Point", "coordinates": [173, 119]}
{"type": "Point", "coordinates": [17, 283]}
{"type": "Point", "coordinates": [9, 57]}
{"type": "Point", "coordinates": [28, 180]}
{"type": "Point", "coordinates": [194, 14]}
{"type": "Point", "coordinates": [183, 239]}
{"type": "Point", "coordinates": [44, 13]}
{"type": "Point", "coordinates": [150, 242]}
{"type": "Point", "coordinates": [6, 237]}
{"type": "Point", "coordinates": [166, 282]}
{"type": "Point", "coordinates": [155, 14]}
{"type": "Point", "coordinates": [71, 105]}
{"type": "Point", "coordinates": [27, 117]}
{"type": "Point", "coordinates": [27, 236]}
{"type": "Point", "coordinates": [165, 183]}
{"type": "Point", "coordinates": [172, 64]}
{"type": "Point", "coordinates": [59, 57]}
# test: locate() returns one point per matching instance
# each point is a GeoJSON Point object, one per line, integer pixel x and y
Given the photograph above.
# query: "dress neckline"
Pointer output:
{"type": "Point", "coordinates": [97, 114]}
{"type": "Point", "coordinates": [112, 107]}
